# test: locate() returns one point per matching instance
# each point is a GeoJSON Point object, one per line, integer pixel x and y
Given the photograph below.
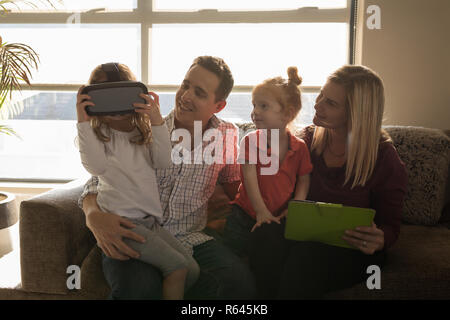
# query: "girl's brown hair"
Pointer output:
{"type": "Point", "coordinates": [139, 120]}
{"type": "Point", "coordinates": [286, 92]}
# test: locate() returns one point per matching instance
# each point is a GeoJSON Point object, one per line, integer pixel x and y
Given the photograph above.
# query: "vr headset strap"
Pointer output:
{"type": "Point", "coordinates": [112, 71]}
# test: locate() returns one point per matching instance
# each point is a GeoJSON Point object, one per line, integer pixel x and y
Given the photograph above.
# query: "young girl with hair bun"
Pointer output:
{"type": "Point", "coordinates": [263, 198]}
{"type": "Point", "coordinates": [355, 164]}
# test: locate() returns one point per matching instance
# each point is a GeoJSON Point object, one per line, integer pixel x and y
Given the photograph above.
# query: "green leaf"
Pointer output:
{"type": "Point", "coordinates": [4, 4]}
{"type": "Point", "coordinates": [16, 63]}
{"type": "Point", "coordinates": [9, 131]}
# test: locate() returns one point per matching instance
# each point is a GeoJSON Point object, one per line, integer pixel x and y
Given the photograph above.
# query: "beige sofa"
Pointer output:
{"type": "Point", "coordinates": [53, 234]}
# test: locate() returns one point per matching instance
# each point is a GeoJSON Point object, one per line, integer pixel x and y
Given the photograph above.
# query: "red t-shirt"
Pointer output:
{"type": "Point", "coordinates": [278, 188]}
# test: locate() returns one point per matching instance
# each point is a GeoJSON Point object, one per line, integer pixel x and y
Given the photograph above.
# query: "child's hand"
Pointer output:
{"type": "Point", "coordinates": [264, 216]}
{"type": "Point", "coordinates": [151, 108]}
{"type": "Point", "coordinates": [83, 100]}
{"type": "Point", "coordinates": [283, 214]}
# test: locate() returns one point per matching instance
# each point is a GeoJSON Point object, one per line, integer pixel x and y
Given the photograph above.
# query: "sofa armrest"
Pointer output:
{"type": "Point", "coordinates": [53, 235]}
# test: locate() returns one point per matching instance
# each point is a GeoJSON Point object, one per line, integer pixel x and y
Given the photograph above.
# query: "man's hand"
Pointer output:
{"type": "Point", "coordinates": [231, 189]}
{"type": "Point", "coordinates": [108, 230]}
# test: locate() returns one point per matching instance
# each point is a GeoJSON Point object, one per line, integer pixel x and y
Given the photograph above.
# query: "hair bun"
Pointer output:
{"type": "Point", "coordinates": [293, 76]}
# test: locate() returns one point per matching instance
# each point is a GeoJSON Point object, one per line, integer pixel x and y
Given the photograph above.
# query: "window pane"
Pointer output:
{"type": "Point", "coordinates": [192, 5]}
{"type": "Point", "coordinates": [254, 52]}
{"type": "Point", "coordinates": [47, 126]}
{"type": "Point", "coordinates": [239, 107]}
{"type": "Point", "coordinates": [47, 105]}
{"type": "Point", "coordinates": [46, 151]}
{"type": "Point", "coordinates": [74, 5]}
{"type": "Point", "coordinates": [61, 105]}
{"type": "Point", "coordinates": [69, 53]}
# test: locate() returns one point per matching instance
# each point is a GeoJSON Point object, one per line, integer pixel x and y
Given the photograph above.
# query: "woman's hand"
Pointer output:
{"type": "Point", "coordinates": [83, 100]}
{"type": "Point", "coordinates": [264, 216]}
{"type": "Point", "coordinates": [151, 107]}
{"type": "Point", "coordinates": [366, 239]}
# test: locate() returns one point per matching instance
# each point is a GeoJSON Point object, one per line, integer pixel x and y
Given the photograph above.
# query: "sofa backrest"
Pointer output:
{"type": "Point", "coordinates": [426, 154]}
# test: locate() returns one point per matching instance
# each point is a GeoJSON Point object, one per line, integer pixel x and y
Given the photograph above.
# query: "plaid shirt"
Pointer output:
{"type": "Point", "coordinates": [186, 188]}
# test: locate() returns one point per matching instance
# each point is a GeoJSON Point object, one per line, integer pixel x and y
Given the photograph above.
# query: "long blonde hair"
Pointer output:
{"type": "Point", "coordinates": [139, 120]}
{"type": "Point", "coordinates": [365, 108]}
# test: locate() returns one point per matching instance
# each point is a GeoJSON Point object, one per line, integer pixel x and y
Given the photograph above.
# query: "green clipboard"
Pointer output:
{"type": "Point", "coordinates": [324, 222]}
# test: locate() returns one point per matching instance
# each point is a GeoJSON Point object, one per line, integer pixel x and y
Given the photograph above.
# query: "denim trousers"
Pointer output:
{"type": "Point", "coordinates": [237, 231]}
{"type": "Point", "coordinates": [285, 269]}
{"type": "Point", "coordinates": [223, 276]}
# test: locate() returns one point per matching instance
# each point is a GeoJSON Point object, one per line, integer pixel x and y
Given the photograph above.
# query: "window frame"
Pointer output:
{"type": "Point", "coordinates": [144, 15]}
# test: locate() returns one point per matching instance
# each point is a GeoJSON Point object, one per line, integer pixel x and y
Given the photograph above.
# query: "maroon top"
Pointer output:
{"type": "Point", "coordinates": [384, 191]}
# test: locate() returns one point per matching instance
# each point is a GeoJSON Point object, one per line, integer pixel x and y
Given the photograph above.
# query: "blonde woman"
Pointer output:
{"type": "Point", "coordinates": [356, 164]}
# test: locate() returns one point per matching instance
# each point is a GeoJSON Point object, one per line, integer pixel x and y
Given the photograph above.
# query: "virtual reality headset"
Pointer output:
{"type": "Point", "coordinates": [114, 97]}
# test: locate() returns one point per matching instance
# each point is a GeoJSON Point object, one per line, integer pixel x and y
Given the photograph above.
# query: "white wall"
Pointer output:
{"type": "Point", "coordinates": [411, 52]}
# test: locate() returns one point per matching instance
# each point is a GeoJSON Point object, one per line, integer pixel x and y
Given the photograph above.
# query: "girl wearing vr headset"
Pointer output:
{"type": "Point", "coordinates": [123, 151]}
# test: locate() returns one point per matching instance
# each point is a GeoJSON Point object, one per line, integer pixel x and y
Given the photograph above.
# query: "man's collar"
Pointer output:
{"type": "Point", "coordinates": [214, 122]}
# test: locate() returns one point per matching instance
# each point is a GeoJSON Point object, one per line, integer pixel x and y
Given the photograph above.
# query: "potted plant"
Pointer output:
{"type": "Point", "coordinates": [8, 216]}
{"type": "Point", "coordinates": [17, 60]}
{"type": "Point", "coordinates": [16, 63]}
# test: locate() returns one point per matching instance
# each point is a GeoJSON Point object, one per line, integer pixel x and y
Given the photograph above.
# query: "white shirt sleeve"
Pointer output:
{"type": "Point", "coordinates": [161, 147]}
{"type": "Point", "coordinates": [92, 150]}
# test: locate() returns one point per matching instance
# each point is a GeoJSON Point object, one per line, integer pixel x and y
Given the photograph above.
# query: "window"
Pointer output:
{"type": "Point", "coordinates": [248, 5]}
{"type": "Point", "coordinates": [158, 40]}
{"type": "Point", "coordinates": [253, 51]}
{"type": "Point", "coordinates": [75, 5]}
{"type": "Point", "coordinates": [69, 53]}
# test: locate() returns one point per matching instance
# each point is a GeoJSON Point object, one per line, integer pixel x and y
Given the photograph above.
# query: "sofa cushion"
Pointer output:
{"type": "Point", "coordinates": [414, 269]}
{"type": "Point", "coordinates": [93, 282]}
{"type": "Point", "coordinates": [426, 154]}
{"type": "Point", "coordinates": [53, 235]}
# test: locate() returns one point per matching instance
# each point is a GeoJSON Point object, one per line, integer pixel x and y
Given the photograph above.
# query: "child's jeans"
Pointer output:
{"type": "Point", "coordinates": [237, 231]}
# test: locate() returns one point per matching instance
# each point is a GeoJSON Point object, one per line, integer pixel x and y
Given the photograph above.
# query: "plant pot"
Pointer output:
{"type": "Point", "coordinates": [8, 216]}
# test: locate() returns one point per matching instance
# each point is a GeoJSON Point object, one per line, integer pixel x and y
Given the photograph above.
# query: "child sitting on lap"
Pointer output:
{"type": "Point", "coordinates": [123, 151]}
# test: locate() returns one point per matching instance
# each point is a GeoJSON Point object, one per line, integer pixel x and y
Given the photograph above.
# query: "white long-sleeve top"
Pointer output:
{"type": "Point", "coordinates": [127, 181]}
